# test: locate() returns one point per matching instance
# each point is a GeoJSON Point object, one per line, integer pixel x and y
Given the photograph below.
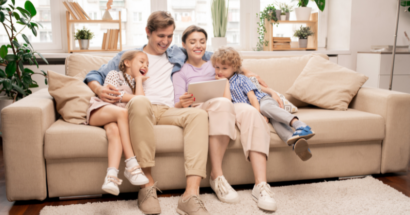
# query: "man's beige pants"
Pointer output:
{"type": "Point", "coordinates": [142, 118]}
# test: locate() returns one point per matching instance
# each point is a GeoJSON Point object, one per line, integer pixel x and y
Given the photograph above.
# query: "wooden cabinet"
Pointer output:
{"type": "Point", "coordinates": [377, 66]}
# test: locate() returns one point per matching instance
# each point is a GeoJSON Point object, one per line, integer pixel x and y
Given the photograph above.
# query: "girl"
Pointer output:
{"type": "Point", "coordinates": [114, 117]}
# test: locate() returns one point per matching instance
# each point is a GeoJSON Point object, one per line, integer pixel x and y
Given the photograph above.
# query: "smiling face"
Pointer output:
{"type": "Point", "coordinates": [159, 40]}
{"type": "Point", "coordinates": [195, 45]}
{"type": "Point", "coordinates": [223, 70]}
{"type": "Point", "coordinates": [138, 66]}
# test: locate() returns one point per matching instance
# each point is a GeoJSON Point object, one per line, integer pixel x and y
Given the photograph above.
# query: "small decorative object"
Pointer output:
{"type": "Point", "coordinates": [219, 9]}
{"type": "Point", "coordinates": [278, 14]}
{"type": "Point", "coordinates": [267, 14]}
{"type": "Point", "coordinates": [107, 15]}
{"type": "Point", "coordinates": [303, 33]}
{"type": "Point", "coordinates": [303, 12]}
{"type": "Point", "coordinates": [84, 36]}
{"type": "Point", "coordinates": [286, 8]}
{"type": "Point", "coordinates": [283, 16]}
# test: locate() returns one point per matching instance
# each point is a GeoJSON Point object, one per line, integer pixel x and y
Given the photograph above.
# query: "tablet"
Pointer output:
{"type": "Point", "coordinates": [203, 91]}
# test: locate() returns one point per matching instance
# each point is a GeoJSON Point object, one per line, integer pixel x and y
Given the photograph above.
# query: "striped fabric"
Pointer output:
{"type": "Point", "coordinates": [240, 85]}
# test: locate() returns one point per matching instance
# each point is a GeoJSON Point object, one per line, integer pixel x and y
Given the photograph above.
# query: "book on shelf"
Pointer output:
{"type": "Point", "coordinates": [77, 12]}
{"type": "Point", "coordinates": [110, 39]}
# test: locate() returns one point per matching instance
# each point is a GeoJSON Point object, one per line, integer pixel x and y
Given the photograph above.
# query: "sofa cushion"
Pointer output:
{"type": "Point", "coordinates": [83, 63]}
{"type": "Point", "coordinates": [280, 73]}
{"type": "Point", "coordinates": [326, 84]}
{"type": "Point", "coordinates": [65, 140]}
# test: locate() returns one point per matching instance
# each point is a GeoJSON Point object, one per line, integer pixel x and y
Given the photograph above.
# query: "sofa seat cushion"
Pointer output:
{"type": "Point", "coordinates": [66, 140]}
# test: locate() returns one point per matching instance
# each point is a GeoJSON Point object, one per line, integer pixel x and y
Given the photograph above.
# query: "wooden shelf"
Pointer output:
{"type": "Point", "coordinates": [312, 40]}
{"type": "Point", "coordinates": [70, 32]}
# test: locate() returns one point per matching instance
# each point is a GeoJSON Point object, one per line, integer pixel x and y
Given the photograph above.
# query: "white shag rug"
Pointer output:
{"type": "Point", "coordinates": [356, 196]}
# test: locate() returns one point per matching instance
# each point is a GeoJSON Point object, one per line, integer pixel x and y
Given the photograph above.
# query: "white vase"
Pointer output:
{"type": "Point", "coordinates": [283, 17]}
{"type": "Point", "coordinates": [4, 102]}
{"type": "Point", "coordinates": [303, 13]}
{"type": "Point", "coordinates": [303, 43]}
{"type": "Point", "coordinates": [218, 42]}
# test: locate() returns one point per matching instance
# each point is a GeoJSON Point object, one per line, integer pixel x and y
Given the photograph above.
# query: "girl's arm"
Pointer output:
{"type": "Point", "coordinates": [254, 101]}
{"type": "Point", "coordinates": [139, 90]}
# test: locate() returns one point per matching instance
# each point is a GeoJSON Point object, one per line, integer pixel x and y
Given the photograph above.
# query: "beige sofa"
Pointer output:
{"type": "Point", "coordinates": [45, 156]}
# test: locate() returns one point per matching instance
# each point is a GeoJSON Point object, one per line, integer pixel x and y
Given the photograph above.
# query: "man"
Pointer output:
{"type": "Point", "coordinates": [156, 108]}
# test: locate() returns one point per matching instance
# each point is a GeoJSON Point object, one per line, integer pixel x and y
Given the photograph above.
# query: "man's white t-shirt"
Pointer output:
{"type": "Point", "coordinates": [158, 87]}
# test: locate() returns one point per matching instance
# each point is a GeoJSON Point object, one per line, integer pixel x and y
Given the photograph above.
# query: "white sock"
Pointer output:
{"type": "Point", "coordinates": [112, 171]}
{"type": "Point", "coordinates": [131, 162]}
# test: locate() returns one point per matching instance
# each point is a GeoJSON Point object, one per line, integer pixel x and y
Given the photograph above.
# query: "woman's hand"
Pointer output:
{"type": "Point", "coordinates": [277, 98]}
{"type": "Point", "coordinates": [186, 100]}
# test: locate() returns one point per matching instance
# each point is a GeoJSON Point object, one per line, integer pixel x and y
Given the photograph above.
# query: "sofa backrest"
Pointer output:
{"type": "Point", "coordinates": [84, 63]}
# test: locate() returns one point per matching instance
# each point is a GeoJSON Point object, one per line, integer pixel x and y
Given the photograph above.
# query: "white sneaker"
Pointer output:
{"type": "Point", "coordinates": [135, 175]}
{"type": "Point", "coordinates": [223, 190]}
{"type": "Point", "coordinates": [263, 195]}
{"type": "Point", "coordinates": [111, 185]}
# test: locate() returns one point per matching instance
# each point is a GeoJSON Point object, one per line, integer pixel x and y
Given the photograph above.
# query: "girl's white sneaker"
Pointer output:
{"type": "Point", "coordinates": [111, 185]}
{"type": "Point", "coordinates": [263, 195]}
{"type": "Point", "coordinates": [135, 175]}
{"type": "Point", "coordinates": [223, 190]}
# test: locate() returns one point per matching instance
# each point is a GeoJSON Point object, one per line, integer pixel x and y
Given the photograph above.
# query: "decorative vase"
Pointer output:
{"type": "Point", "coordinates": [4, 102]}
{"type": "Point", "coordinates": [283, 17]}
{"type": "Point", "coordinates": [218, 42]}
{"type": "Point", "coordinates": [287, 16]}
{"type": "Point", "coordinates": [303, 13]}
{"type": "Point", "coordinates": [278, 12]}
{"type": "Point", "coordinates": [303, 43]}
{"type": "Point", "coordinates": [84, 44]}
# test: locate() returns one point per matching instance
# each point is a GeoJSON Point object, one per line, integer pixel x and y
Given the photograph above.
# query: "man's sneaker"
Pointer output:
{"type": "Point", "coordinates": [111, 185]}
{"type": "Point", "coordinates": [148, 200]}
{"type": "Point", "coordinates": [192, 206]}
{"type": "Point", "coordinates": [301, 132]}
{"type": "Point", "coordinates": [302, 150]}
{"type": "Point", "coordinates": [223, 190]}
{"type": "Point", "coordinates": [135, 175]}
{"type": "Point", "coordinates": [263, 195]}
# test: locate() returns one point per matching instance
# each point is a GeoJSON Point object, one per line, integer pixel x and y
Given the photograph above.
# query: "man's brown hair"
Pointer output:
{"type": "Point", "coordinates": [159, 19]}
{"type": "Point", "coordinates": [191, 29]}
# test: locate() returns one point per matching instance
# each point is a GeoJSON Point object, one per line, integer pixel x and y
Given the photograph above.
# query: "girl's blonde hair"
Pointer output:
{"type": "Point", "coordinates": [227, 56]}
{"type": "Point", "coordinates": [128, 55]}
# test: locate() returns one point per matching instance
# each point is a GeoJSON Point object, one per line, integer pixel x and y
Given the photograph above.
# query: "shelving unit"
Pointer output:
{"type": "Point", "coordinates": [312, 40]}
{"type": "Point", "coordinates": [70, 33]}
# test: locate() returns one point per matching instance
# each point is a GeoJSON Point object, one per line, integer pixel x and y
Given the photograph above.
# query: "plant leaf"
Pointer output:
{"type": "Point", "coordinates": [14, 2]}
{"type": "Point", "coordinates": [25, 38]}
{"type": "Point", "coordinates": [11, 68]}
{"type": "Point", "coordinates": [2, 74]}
{"type": "Point", "coordinates": [27, 71]}
{"type": "Point", "coordinates": [3, 51]}
{"type": "Point", "coordinates": [16, 15]}
{"type": "Point", "coordinates": [321, 4]}
{"type": "Point", "coordinates": [7, 84]}
{"type": "Point", "coordinates": [45, 60]}
{"type": "Point", "coordinates": [27, 80]}
{"type": "Point", "coordinates": [45, 81]}
{"type": "Point", "coordinates": [44, 73]}
{"type": "Point", "coordinates": [34, 31]}
{"type": "Point", "coordinates": [2, 16]}
{"type": "Point", "coordinates": [39, 24]}
{"type": "Point", "coordinates": [16, 44]}
{"type": "Point", "coordinates": [11, 57]}
{"type": "Point", "coordinates": [30, 7]}
{"type": "Point", "coordinates": [24, 12]}
{"type": "Point", "coordinates": [3, 2]}
{"type": "Point", "coordinates": [18, 89]}
{"type": "Point", "coordinates": [21, 65]}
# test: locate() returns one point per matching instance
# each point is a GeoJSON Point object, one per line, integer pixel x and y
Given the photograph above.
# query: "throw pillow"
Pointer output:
{"type": "Point", "coordinates": [326, 84]}
{"type": "Point", "coordinates": [288, 106]}
{"type": "Point", "coordinates": [72, 97]}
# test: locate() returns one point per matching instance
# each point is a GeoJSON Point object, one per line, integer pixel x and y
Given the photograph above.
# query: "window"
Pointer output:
{"type": "Point", "coordinates": [137, 16]}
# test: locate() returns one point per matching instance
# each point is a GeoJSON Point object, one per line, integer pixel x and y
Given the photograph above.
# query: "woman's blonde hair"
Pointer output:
{"type": "Point", "coordinates": [128, 56]}
{"type": "Point", "coordinates": [227, 56]}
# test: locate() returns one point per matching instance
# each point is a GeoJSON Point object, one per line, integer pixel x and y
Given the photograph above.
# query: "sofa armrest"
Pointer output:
{"type": "Point", "coordinates": [24, 124]}
{"type": "Point", "coordinates": [394, 107]}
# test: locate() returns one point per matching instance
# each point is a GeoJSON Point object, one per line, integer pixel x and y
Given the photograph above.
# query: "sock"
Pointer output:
{"type": "Point", "coordinates": [131, 162]}
{"type": "Point", "coordinates": [297, 123]}
{"type": "Point", "coordinates": [112, 171]}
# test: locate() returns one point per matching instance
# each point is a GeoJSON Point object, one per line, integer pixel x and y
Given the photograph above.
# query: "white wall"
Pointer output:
{"type": "Point", "coordinates": [40, 79]}
{"type": "Point", "coordinates": [339, 24]}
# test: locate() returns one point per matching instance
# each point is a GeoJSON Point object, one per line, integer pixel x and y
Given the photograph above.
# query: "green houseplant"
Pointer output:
{"type": "Point", "coordinates": [16, 80]}
{"type": "Point", "coordinates": [84, 36]}
{"type": "Point", "coordinates": [219, 9]}
{"type": "Point", "coordinates": [405, 3]}
{"type": "Point", "coordinates": [303, 12]}
{"type": "Point", "coordinates": [269, 13]}
{"type": "Point", "coordinates": [286, 8]}
{"type": "Point", "coordinates": [303, 33]}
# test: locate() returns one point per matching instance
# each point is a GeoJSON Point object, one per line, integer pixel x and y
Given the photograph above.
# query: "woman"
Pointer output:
{"type": "Point", "coordinates": [222, 116]}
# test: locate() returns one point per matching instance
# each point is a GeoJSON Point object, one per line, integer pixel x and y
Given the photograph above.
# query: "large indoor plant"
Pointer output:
{"type": "Point", "coordinates": [268, 14]}
{"type": "Point", "coordinates": [84, 36]}
{"type": "Point", "coordinates": [16, 80]}
{"type": "Point", "coordinates": [303, 12]}
{"type": "Point", "coordinates": [303, 33]}
{"type": "Point", "coordinates": [219, 9]}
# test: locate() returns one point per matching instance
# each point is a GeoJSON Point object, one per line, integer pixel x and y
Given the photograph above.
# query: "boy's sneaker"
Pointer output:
{"type": "Point", "coordinates": [135, 175]}
{"type": "Point", "coordinates": [223, 190]}
{"type": "Point", "coordinates": [301, 132]}
{"type": "Point", "coordinates": [111, 185]}
{"type": "Point", "coordinates": [263, 195]}
{"type": "Point", "coordinates": [302, 150]}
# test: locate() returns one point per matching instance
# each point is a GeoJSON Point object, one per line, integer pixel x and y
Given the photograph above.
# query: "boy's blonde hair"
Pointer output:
{"type": "Point", "coordinates": [128, 55]}
{"type": "Point", "coordinates": [227, 56]}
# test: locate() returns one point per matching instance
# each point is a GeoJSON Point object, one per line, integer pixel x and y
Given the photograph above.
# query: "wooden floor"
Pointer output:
{"type": "Point", "coordinates": [400, 182]}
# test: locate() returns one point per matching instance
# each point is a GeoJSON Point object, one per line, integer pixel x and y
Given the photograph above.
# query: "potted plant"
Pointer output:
{"type": "Point", "coordinates": [84, 36]}
{"type": "Point", "coordinates": [283, 15]}
{"type": "Point", "coordinates": [303, 12]}
{"type": "Point", "coordinates": [278, 14]}
{"type": "Point", "coordinates": [303, 33]}
{"type": "Point", "coordinates": [287, 8]}
{"type": "Point", "coordinates": [268, 14]}
{"type": "Point", "coordinates": [15, 79]}
{"type": "Point", "coordinates": [219, 9]}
